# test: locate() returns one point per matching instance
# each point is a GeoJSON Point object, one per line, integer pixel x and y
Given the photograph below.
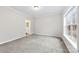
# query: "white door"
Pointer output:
{"type": "Point", "coordinates": [28, 26]}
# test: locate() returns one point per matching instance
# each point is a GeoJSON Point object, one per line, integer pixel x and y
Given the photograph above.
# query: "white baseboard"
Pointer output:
{"type": "Point", "coordinates": [23, 36]}
{"type": "Point", "coordinates": [11, 40]}
{"type": "Point", "coordinates": [68, 44]}
{"type": "Point", "coordinates": [48, 35]}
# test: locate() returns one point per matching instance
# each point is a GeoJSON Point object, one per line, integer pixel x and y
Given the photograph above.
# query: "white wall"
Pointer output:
{"type": "Point", "coordinates": [50, 25]}
{"type": "Point", "coordinates": [11, 24]}
{"type": "Point", "coordinates": [78, 28]}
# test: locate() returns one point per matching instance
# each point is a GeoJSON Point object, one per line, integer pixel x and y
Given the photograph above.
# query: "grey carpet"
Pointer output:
{"type": "Point", "coordinates": [34, 44]}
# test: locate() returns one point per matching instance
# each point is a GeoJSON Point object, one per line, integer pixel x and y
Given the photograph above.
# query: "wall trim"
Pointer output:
{"type": "Point", "coordinates": [12, 40]}
{"type": "Point", "coordinates": [48, 35]}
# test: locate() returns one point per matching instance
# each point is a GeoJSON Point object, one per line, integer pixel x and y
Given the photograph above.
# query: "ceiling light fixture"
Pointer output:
{"type": "Point", "coordinates": [36, 7]}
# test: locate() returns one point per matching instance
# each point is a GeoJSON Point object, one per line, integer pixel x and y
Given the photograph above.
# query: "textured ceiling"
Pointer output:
{"type": "Point", "coordinates": [43, 10]}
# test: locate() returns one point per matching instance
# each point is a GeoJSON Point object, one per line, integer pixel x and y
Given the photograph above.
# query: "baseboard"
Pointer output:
{"type": "Point", "coordinates": [69, 45]}
{"type": "Point", "coordinates": [50, 36]}
{"type": "Point", "coordinates": [24, 36]}
{"type": "Point", "coordinates": [11, 40]}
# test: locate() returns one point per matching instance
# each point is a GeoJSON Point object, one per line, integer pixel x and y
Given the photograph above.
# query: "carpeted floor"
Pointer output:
{"type": "Point", "coordinates": [34, 44]}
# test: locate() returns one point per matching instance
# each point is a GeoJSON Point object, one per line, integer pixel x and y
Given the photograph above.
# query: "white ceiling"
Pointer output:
{"type": "Point", "coordinates": [43, 10]}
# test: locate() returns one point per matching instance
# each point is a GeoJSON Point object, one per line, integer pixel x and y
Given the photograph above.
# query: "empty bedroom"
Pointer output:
{"type": "Point", "coordinates": [38, 29]}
